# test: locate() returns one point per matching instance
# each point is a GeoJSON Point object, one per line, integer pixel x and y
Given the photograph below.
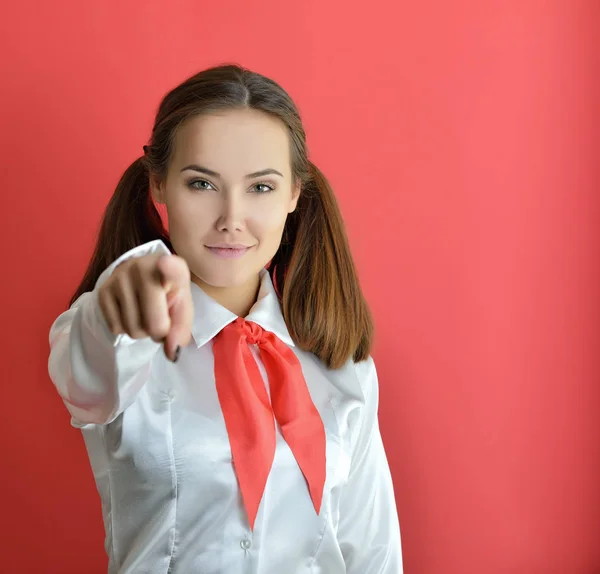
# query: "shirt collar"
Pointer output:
{"type": "Point", "coordinates": [210, 317]}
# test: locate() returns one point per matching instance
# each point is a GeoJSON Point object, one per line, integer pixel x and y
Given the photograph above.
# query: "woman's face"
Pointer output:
{"type": "Point", "coordinates": [228, 192]}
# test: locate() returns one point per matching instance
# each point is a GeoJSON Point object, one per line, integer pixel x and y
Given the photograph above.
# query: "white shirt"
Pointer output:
{"type": "Point", "coordinates": [160, 454]}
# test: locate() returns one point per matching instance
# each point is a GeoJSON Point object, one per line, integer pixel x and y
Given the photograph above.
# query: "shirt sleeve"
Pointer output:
{"type": "Point", "coordinates": [369, 531]}
{"type": "Point", "coordinates": [98, 374]}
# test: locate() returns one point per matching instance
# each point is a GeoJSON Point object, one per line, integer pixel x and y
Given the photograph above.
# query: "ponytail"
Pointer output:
{"type": "Point", "coordinates": [130, 219]}
{"type": "Point", "coordinates": [322, 302]}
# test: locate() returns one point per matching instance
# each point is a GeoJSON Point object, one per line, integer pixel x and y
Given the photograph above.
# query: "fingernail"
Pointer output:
{"type": "Point", "coordinates": [177, 353]}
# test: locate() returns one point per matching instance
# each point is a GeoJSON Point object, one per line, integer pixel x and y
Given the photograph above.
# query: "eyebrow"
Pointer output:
{"type": "Point", "coordinates": [211, 173]}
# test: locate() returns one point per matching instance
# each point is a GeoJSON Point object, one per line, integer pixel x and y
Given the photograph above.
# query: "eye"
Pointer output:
{"type": "Point", "coordinates": [200, 184]}
{"type": "Point", "coordinates": [262, 187]}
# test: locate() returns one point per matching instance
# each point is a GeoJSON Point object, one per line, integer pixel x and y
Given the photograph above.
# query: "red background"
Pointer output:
{"type": "Point", "coordinates": [463, 141]}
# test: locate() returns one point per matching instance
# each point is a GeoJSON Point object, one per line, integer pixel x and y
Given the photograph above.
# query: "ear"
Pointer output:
{"type": "Point", "coordinates": [295, 197]}
{"type": "Point", "coordinates": [157, 189]}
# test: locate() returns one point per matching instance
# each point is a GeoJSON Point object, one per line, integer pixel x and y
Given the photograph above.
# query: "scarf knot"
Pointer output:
{"type": "Point", "coordinates": [255, 334]}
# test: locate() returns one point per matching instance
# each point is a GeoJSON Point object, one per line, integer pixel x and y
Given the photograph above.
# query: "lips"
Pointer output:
{"type": "Point", "coordinates": [228, 246]}
{"type": "Point", "coordinates": [228, 251]}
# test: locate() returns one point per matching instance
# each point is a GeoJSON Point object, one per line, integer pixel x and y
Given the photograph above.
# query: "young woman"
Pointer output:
{"type": "Point", "coordinates": [219, 370]}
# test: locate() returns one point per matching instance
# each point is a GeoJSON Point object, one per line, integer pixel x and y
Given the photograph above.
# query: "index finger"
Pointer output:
{"type": "Point", "coordinates": [182, 316]}
{"type": "Point", "coordinates": [176, 281]}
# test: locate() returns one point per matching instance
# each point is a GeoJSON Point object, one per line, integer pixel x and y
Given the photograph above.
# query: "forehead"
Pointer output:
{"type": "Point", "coordinates": [233, 143]}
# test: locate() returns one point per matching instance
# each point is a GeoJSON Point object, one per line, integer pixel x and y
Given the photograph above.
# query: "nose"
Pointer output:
{"type": "Point", "coordinates": [231, 217]}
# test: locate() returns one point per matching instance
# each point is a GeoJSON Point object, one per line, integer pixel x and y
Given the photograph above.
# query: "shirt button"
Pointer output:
{"type": "Point", "coordinates": [245, 544]}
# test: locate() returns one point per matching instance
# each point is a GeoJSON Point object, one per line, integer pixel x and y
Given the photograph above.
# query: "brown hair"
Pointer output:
{"type": "Point", "coordinates": [321, 299]}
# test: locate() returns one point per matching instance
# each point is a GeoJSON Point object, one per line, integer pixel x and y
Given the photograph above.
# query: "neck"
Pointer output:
{"type": "Point", "coordinates": [238, 299]}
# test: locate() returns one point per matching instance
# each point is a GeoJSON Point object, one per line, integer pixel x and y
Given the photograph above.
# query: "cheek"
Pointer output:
{"type": "Point", "coordinates": [267, 221]}
{"type": "Point", "coordinates": [188, 217]}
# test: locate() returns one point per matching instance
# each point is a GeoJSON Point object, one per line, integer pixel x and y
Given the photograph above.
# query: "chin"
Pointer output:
{"type": "Point", "coordinates": [224, 278]}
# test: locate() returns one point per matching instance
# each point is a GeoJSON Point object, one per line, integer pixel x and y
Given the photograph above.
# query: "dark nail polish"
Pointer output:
{"type": "Point", "coordinates": [177, 353]}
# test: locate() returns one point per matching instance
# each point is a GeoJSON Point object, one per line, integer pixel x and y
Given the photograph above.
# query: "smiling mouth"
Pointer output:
{"type": "Point", "coordinates": [228, 251]}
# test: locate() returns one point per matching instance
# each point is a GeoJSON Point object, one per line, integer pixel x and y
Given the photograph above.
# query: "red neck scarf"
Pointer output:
{"type": "Point", "coordinates": [249, 414]}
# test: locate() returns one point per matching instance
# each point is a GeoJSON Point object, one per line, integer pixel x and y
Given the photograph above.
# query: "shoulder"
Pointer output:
{"type": "Point", "coordinates": [356, 380]}
{"type": "Point", "coordinates": [366, 376]}
{"type": "Point", "coordinates": [365, 371]}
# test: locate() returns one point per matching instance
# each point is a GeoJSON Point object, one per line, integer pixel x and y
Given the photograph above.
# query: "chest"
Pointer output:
{"type": "Point", "coordinates": [175, 429]}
